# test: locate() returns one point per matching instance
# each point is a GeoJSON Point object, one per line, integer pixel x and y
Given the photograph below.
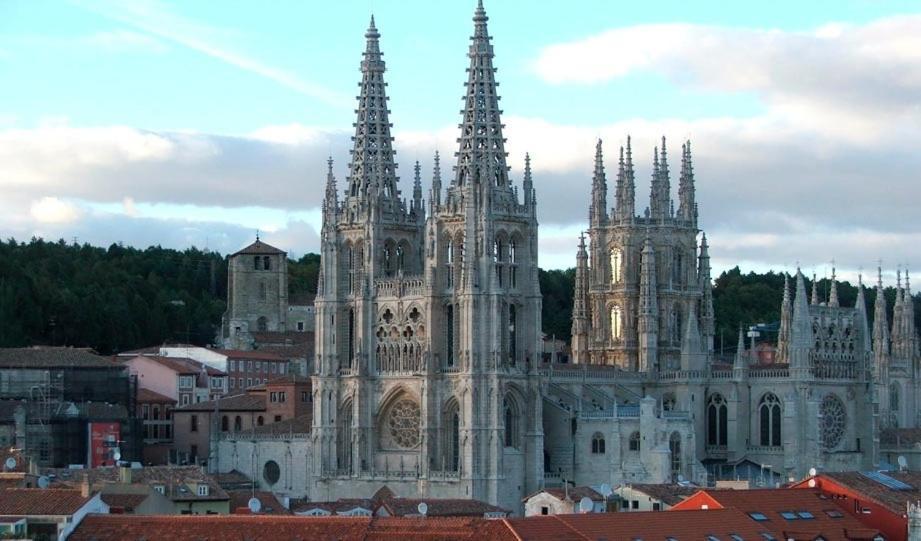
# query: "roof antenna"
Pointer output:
{"type": "Point", "coordinates": [257, 235]}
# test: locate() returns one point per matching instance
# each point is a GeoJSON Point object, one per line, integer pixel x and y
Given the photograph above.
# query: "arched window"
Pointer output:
{"type": "Point", "coordinates": [676, 324]}
{"type": "Point", "coordinates": [512, 337]}
{"type": "Point", "coordinates": [617, 265]}
{"type": "Point", "coordinates": [511, 423]}
{"type": "Point", "coordinates": [677, 270]}
{"type": "Point", "coordinates": [260, 421]}
{"type": "Point", "coordinates": [770, 413]}
{"type": "Point", "coordinates": [894, 397]}
{"type": "Point", "coordinates": [225, 424]}
{"type": "Point", "coordinates": [351, 337]}
{"type": "Point", "coordinates": [450, 264]}
{"type": "Point", "coordinates": [512, 252]}
{"type": "Point", "coordinates": [717, 423]}
{"type": "Point", "coordinates": [267, 263]}
{"type": "Point", "coordinates": [634, 444]}
{"type": "Point", "coordinates": [237, 423]}
{"type": "Point", "coordinates": [401, 258]}
{"type": "Point", "coordinates": [597, 444]}
{"type": "Point", "coordinates": [674, 451]}
{"type": "Point", "coordinates": [449, 316]}
{"type": "Point", "coordinates": [617, 323]}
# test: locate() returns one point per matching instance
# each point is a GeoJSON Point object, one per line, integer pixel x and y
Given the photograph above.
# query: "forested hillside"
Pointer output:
{"type": "Point", "coordinates": [123, 298]}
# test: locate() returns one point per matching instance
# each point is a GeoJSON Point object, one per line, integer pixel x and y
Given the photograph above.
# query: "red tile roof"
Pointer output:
{"type": "Point", "coordinates": [239, 500]}
{"type": "Point", "coordinates": [894, 500]}
{"type": "Point", "coordinates": [54, 357]}
{"type": "Point", "coordinates": [178, 482]}
{"type": "Point", "coordinates": [128, 502]}
{"type": "Point", "coordinates": [146, 396]}
{"type": "Point", "coordinates": [184, 365]}
{"type": "Point", "coordinates": [36, 501]}
{"type": "Point", "coordinates": [237, 402]}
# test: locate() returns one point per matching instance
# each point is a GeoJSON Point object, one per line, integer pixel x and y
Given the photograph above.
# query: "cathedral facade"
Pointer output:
{"type": "Point", "coordinates": [428, 375]}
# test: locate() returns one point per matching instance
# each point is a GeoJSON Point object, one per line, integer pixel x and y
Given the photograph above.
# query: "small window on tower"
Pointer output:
{"type": "Point", "coordinates": [267, 263]}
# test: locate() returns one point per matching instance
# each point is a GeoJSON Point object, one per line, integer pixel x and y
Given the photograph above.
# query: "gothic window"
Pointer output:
{"type": "Point", "coordinates": [617, 323]}
{"type": "Point", "coordinates": [634, 442]}
{"type": "Point", "coordinates": [717, 420]}
{"type": "Point", "coordinates": [262, 324]}
{"type": "Point", "coordinates": [403, 424]}
{"type": "Point", "coordinates": [597, 444]}
{"type": "Point", "coordinates": [512, 337]}
{"type": "Point", "coordinates": [512, 252]}
{"type": "Point", "coordinates": [677, 269]}
{"type": "Point", "coordinates": [455, 441]}
{"type": "Point", "coordinates": [617, 265]}
{"type": "Point", "coordinates": [770, 415]}
{"type": "Point", "coordinates": [344, 429]}
{"type": "Point", "coordinates": [351, 337]}
{"type": "Point", "coordinates": [450, 258]}
{"type": "Point", "coordinates": [834, 419]}
{"type": "Point", "coordinates": [674, 451]}
{"type": "Point", "coordinates": [894, 397]}
{"type": "Point", "coordinates": [449, 354]}
{"type": "Point", "coordinates": [511, 423]}
{"type": "Point", "coordinates": [676, 324]}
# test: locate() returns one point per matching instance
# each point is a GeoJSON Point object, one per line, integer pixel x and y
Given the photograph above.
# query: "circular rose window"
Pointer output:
{"type": "Point", "coordinates": [404, 423]}
{"type": "Point", "coordinates": [271, 472]}
{"type": "Point", "coordinates": [834, 420]}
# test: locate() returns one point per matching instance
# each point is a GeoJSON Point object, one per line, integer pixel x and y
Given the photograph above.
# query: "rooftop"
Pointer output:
{"type": "Point", "coordinates": [152, 397]}
{"type": "Point", "coordinates": [259, 248]}
{"type": "Point", "coordinates": [668, 494]}
{"type": "Point", "coordinates": [239, 500]}
{"type": "Point", "coordinates": [575, 493]}
{"type": "Point", "coordinates": [44, 357]}
{"type": "Point", "coordinates": [36, 501]}
{"type": "Point", "coordinates": [250, 355]}
{"type": "Point", "coordinates": [894, 499]}
{"type": "Point", "coordinates": [179, 482]}
{"type": "Point", "coordinates": [184, 365]}
{"type": "Point", "coordinates": [237, 402]}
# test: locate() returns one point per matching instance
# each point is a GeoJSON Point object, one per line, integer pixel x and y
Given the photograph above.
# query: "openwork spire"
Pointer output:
{"type": "Point", "coordinates": [436, 182]}
{"type": "Point", "coordinates": [628, 203]}
{"type": "Point", "coordinates": [833, 295]}
{"type": "Point", "coordinates": [815, 291]}
{"type": "Point", "coordinates": [786, 320]}
{"type": "Point", "coordinates": [417, 187]}
{"type": "Point", "coordinates": [687, 207]}
{"type": "Point", "coordinates": [372, 173]}
{"type": "Point", "coordinates": [659, 195]}
{"type": "Point", "coordinates": [329, 203]}
{"type": "Point", "coordinates": [481, 158]}
{"type": "Point", "coordinates": [528, 183]}
{"type": "Point", "coordinates": [598, 211]}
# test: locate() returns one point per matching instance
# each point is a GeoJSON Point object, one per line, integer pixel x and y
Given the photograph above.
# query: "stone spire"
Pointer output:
{"type": "Point", "coordinates": [626, 206]}
{"type": "Point", "coordinates": [527, 185]}
{"type": "Point", "coordinates": [417, 188]}
{"type": "Point", "coordinates": [372, 172]}
{"type": "Point", "coordinates": [691, 351]}
{"type": "Point", "coordinates": [786, 320]}
{"type": "Point", "coordinates": [815, 291]}
{"type": "Point", "coordinates": [597, 214]}
{"type": "Point", "coordinates": [895, 339]}
{"type": "Point", "coordinates": [740, 361]}
{"type": "Point", "coordinates": [481, 157]}
{"type": "Point", "coordinates": [909, 334]}
{"type": "Point", "coordinates": [660, 192]}
{"type": "Point", "coordinates": [833, 294]}
{"type": "Point", "coordinates": [801, 337]}
{"type": "Point", "coordinates": [861, 306]}
{"type": "Point", "coordinates": [880, 321]}
{"type": "Point", "coordinates": [707, 323]}
{"type": "Point", "coordinates": [580, 316]}
{"type": "Point", "coordinates": [330, 201]}
{"type": "Point", "coordinates": [649, 310]}
{"type": "Point", "coordinates": [687, 207]}
{"type": "Point", "coordinates": [435, 196]}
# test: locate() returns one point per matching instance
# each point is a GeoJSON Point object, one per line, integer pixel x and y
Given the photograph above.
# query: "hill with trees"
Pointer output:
{"type": "Point", "coordinates": [121, 298]}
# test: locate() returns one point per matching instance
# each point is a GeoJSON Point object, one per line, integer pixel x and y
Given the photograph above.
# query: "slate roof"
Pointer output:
{"type": "Point", "coordinates": [668, 494]}
{"type": "Point", "coordinates": [178, 481]}
{"type": "Point", "coordinates": [259, 248]}
{"type": "Point", "coordinates": [54, 357]}
{"type": "Point", "coordinates": [894, 500]}
{"type": "Point", "coordinates": [237, 402]}
{"type": "Point", "coordinates": [36, 501]}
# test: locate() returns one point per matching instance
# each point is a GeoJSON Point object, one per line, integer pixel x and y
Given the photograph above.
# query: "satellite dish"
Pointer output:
{"type": "Point", "coordinates": [903, 463]}
{"type": "Point", "coordinates": [681, 478]}
{"type": "Point", "coordinates": [116, 455]}
{"type": "Point", "coordinates": [606, 490]}
{"type": "Point", "coordinates": [586, 505]}
{"type": "Point", "coordinates": [43, 482]}
{"type": "Point", "coordinates": [11, 463]}
{"type": "Point", "coordinates": [812, 472]}
{"type": "Point", "coordinates": [254, 505]}
{"type": "Point", "coordinates": [423, 508]}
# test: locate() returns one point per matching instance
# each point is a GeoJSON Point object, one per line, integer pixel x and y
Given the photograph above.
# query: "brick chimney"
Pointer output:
{"type": "Point", "coordinates": [85, 487]}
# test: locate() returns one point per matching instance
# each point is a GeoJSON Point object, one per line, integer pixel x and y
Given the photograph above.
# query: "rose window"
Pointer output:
{"type": "Point", "coordinates": [834, 420]}
{"type": "Point", "coordinates": [404, 423]}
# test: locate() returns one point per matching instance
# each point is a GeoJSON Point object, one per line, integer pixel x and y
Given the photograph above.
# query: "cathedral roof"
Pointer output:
{"type": "Point", "coordinates": [259, 248]}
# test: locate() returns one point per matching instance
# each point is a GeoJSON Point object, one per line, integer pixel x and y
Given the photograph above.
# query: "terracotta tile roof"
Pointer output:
{"type": "Point", "coordinates": [237, 402]}
{"type": "Point", "coordinates": [146, 396]}
{"type": "Point", "coordinates": [894, 500]}
{"type": "Point", "coordinates": [17, 479]}
{"type": "Point", "coordinates": [239, 500]}
{"type": "Point", "coordinates": [575, 493]}
{"type": "Point", "coordinates": [295, 425]}
{"type": "Point", "coordinates": [302, 350]}
{"type": "Point", "coordinates": [809, 506]}
{"type": "Point", "coordinates": [339, 506]}
{"type": "Point", "coordinates": [36, 501]}
{"type": "Point", "coordinates": [284, 528]}
{"type": "Point", "coordinates": [679, 525]}
{"type": "Point", "coordinates": [178, 482]}
{"type": "Point", "coordinates": [668, 494]}
{"type": "Point", "coordinates": [259, 248]}
{"type": "Point", "coordinates": [289, 379]}
{"type": "Point", "coordinates": [440, 507]}
{"type": "Point", "coordinates": [282, 338]}
{"type": "Point", "coordinates": [54, 357]}
{"type": "Point", "coordinates": [232, 480]}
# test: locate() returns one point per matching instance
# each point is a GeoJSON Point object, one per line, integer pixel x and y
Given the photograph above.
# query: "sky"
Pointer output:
{"type": "Point", "coordinates": [199, 123]}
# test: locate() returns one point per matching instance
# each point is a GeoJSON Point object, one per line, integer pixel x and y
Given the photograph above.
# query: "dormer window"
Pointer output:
{"type": "Point", "coordinates": [203, 490]}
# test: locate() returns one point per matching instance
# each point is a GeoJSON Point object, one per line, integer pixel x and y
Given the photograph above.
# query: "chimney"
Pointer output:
{"type": "Point", "coordinates": [124, 475]}
{"type": "Point", "coordinates": [85, 486]}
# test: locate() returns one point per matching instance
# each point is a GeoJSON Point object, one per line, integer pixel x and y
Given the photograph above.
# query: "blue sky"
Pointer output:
{"type": "Point", "coordinates": [196, 122]}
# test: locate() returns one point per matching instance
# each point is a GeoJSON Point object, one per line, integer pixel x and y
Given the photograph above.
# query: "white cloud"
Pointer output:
{"type": "Point", "coordinates": [51, 210]}
{"type": "Point", "coordinates": [119, 41]}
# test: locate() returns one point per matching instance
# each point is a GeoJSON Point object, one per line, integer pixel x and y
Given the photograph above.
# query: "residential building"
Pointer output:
{"type": "Point", "coordinates": [563, 501]}
{"type": "Point", "coordinates": [268, 502]}
{"type": "Point", "coordinates": [195, 425]}
{"type": "Point", "coordinates": [649, 497]}
{"type": "Point", "coordinates": [184, 380]}
{"type": "Point", "coordinates": [135, 499]}
{"type": "Point", "coordinates": [156, 413]}
{"type": "Point", "coordinates": [46, 513]}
